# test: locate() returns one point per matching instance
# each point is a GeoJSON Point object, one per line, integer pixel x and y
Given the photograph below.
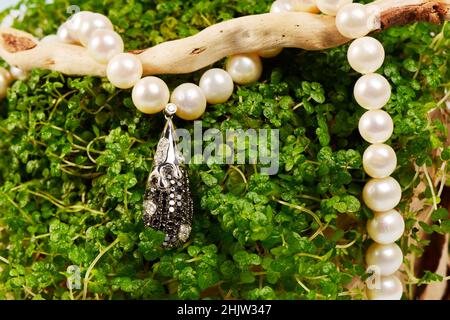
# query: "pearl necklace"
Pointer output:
{"type": "Point", "coordinates": [382, 193]}
{"type": "Point", "coordinates": [372, 91]}
{"type": "Point", "coordinates": [167, 202]}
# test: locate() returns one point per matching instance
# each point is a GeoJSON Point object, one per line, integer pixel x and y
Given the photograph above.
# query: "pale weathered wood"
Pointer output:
{"type": "Point", "coordinates": [245, 34]}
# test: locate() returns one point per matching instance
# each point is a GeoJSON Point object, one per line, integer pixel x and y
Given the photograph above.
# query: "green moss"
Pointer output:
{"type": "Point", "coordinates": [75, 155]}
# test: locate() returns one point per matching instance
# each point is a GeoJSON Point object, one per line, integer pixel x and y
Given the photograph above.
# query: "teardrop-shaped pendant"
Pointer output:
{"type": "Point", "coordinates": [168, 205]}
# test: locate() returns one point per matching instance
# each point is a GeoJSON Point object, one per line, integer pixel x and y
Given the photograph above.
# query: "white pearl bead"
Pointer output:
{"type": "Point", "coordinates": [387, 257]}
{"type": "Point", "coordinates": [376, 126]}
{"type": "Point", "coordinates": [50, 38]}
{"type": "Point", "coordinates": [18, 73]}
{"type": "Point", "coordinates": [90, 23]}
{"type": "Point", "coordinates": [190, 100]}
{"type": "Point", "coordinates": [217, 85]}
{"type": "Point", "coordinates": [366, 55]}
{"type": "Point", "coordinates": [386, 227]}
{"type": "Point", "coordinates": [124, 70]}
{"type": "Point", "coordinates": [372, 91]}
{"type": "Point", "coordinates": [281, 6]}
{"type": "Point", "coordinates": [269, 53]}
{"type": "Point", "coordinates": [379, 160]}
{"type": "Point", "coordinates": [382, 194]}
{"type": "Point", "coordinates": [331, 7]}
{"type": "Point", "coordinates": [353, 21]}
{"type": "Point", "coordinates": [244, 68]}
{"type": "Point", "coordinates": [75, 22]}
{"type": "Point", "coordinates": [4, 84]}
{"type": "Point", "coordinates": [150, 95]}
{"type": "Point", "coordinates": [5, 73]}
{"type": "Point", "coordinates": [64, 35]}
{"type": "Point", "coordinates": [104, 44]}
{"type": "Point", "coordinates": [390, 289]}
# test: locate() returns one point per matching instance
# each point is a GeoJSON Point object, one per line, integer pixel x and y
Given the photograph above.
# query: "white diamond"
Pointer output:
{"type": "Point", "coordinates": [184, 232]}
{"type": "Point", "coordinates": [171, 108]}
{"type": "Point", "coordinates": [149, 207]}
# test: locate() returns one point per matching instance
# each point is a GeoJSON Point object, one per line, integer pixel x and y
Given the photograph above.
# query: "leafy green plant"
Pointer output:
{"type": "Point", "coordinates": [75, 155]}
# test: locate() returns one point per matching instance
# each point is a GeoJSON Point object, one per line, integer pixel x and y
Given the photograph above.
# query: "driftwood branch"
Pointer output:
{"type": "Point", "coordinates": [245, 34]}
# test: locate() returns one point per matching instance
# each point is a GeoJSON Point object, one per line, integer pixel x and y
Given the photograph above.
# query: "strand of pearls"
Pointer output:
{"type": "Point", "coordinates": [382, 193]}
{"type": "Point", "coordinates": [151, 94]}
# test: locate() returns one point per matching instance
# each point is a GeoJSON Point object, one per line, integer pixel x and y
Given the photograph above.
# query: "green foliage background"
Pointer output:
{"type": "Point", "coordinates": [75, 155]}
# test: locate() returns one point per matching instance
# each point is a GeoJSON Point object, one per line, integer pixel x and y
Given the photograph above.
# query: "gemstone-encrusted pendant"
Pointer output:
{"type": "Point", "coordinates": [168, 205]}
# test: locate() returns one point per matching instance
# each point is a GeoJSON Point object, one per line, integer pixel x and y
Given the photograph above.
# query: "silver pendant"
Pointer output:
{"type": "Point", "coordinates": [168, 205]}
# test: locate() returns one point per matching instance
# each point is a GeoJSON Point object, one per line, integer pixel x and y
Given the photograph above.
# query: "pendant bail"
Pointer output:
{"type": "Point", "coordinates": [170, 110]}
{"type": "Point", "coordinates": [168, 204]}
